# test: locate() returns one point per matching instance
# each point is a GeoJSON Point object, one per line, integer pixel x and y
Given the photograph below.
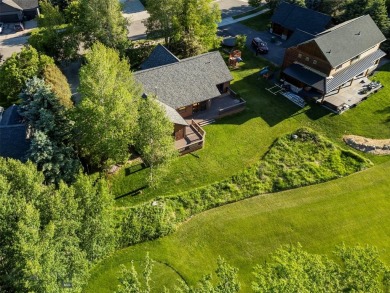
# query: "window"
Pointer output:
{"type": "Point", "coordinates": [307, 58]}
{"type": "Point", "coordinates": [314, 61]}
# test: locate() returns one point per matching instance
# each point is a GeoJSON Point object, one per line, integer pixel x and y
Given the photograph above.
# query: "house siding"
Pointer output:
{"type": "Point", "coordinates": [179, 131]}
{"type": "Point", "coordinates": [186, 112]}
{"type": "Point", "coordinates": [309, 52]}
{"type": "Point", "coordinates": [349, 62]}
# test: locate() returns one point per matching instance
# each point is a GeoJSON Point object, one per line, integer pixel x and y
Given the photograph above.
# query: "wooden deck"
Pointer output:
{"type": "Point", "coordinates": [224, 105]}
{"type": "Point", "coordinates": [194, 139]}
{"type": "Point", "coordinates": [349, 96]}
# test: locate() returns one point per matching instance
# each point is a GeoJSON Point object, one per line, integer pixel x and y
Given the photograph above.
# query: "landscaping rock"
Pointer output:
{"type": "Point", "coordinates": [367, 145]}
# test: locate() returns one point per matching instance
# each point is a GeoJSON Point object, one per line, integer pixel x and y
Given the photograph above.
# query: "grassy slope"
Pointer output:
{"type": "Point", "coordinates": [237, 142]}
{"type": "Point", "coordinates": [355, 209]}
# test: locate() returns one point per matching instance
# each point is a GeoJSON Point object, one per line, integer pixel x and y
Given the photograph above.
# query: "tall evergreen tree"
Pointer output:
{"type": "Point", "coordinates": [51, 146]}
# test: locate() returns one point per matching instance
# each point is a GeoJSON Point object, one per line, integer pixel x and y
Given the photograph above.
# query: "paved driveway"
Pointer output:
{"type": "Point", "coordinates": [276, 51]}
{"type": "Point", "coordinates": [233, 7]}
{"type": "Point", "coordinates": [13, 42]}
{"type": "Point", "coordinates": [135, 11]}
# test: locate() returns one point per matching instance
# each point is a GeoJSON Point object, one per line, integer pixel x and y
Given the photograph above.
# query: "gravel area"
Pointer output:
{"type": "Point", "coordinates": [368, 145]}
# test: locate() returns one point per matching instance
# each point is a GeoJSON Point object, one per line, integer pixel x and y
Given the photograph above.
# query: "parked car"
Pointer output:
{"type": "Point", "coordinates": [260, 46]}
{"type": "Point", "coordinates": [18, 27]}
{"type": "Point", "coordinates": [1, 27]}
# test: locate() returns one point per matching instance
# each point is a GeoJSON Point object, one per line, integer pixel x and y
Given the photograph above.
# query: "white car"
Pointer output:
{"type": "Point", "coordinates": [1, 27]}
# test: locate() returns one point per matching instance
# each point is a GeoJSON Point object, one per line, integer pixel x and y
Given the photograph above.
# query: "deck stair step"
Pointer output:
{"type": "Point", "coordinates": [206, 122]}
{"type": "Point", "coordinates": [295, 99]}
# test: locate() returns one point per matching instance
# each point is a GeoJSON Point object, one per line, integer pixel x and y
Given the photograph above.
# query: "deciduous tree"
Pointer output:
{"type": "Point", "coordinates": [96, 203]}
{"type": "Point", "coordinates": [102, 21]}
{"type": "Point", "coordinates": [188, 26]}
{"type": "Point", "coordinates": [154, 140]}
{"type": "Point", "coordinates": [16, 70]}
{"type": "Point", "coordinates": [106, 117]}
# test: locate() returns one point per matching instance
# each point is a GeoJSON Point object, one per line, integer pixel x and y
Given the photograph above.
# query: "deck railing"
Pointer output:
{"type": "Point", "coordinates": [196, 145]}
{"type": "Point", "coordinates": [240, 106]}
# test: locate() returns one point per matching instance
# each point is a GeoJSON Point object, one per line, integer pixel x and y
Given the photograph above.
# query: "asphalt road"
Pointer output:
{"type": "Point", "coordinates": [137, 30]}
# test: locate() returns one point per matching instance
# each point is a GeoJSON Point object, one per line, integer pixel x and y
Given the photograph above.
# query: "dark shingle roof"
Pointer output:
{"type": "Point", "coordinates": [11, 116]}
{"type": "Point", "coordinates": [308, 77]}
{"type": "Point", "coordinates": [349, 39]}
{"type": "Point", "coordinates": [189, 81]}
{"type": "Point", "coordinates": [9, 3]}
{"type": "Point", "coordinates": [295, 17]}
{"type": "Point", "coordinates": [172, 114]}
{"type": "Point", "coordinates": [159, 56]}
{"type": "Point", "coordinates": [26, 4]}
{"type": "Point", "coordinates": [298, 37]}
{"type": "Point", "coordinates": [13, 141]}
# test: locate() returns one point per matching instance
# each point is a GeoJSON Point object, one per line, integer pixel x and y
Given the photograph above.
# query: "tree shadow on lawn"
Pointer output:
{"type": "Point", "coordinates": [385, 110]}
{"type": "Point", "coordinates": [132, 192]}
{"type": "Point", "coordinates": [273, 109]}
{"type": "Point", "coordinates": [134, 169]}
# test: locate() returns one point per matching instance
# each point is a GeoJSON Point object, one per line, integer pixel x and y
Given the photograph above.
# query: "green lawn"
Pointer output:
{"type": "Point", "coordinates": [234, 143]}
{"type": "Point", "coordinates": [259, 22]}
{"type": "Point", "coordinates": [352, 210]}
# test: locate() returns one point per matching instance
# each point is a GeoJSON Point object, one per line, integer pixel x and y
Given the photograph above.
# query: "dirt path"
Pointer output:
{"type": "Point", "coordinates": [367, 145]}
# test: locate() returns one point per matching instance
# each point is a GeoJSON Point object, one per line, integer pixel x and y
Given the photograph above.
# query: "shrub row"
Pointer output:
{"type": "Point", "coordinates": [294, 160]}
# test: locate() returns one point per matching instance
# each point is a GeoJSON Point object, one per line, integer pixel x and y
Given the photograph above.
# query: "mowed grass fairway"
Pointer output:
{"type": "Point", "coordinates": [352, 210]}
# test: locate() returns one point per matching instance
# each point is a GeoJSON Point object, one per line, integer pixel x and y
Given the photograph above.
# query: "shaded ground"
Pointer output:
{"type": "Point", "coordinates": [71, 71]}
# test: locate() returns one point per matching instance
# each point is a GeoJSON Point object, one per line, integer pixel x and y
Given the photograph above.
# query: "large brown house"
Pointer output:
{"type": "Point", "coordinates": [335, 58]}
{"type": "Point", "coordinates": [184, 86]}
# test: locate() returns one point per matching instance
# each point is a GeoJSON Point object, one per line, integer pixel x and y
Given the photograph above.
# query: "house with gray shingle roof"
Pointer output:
{"type": "Point", "coordinates": [18, 10]}
{"type": "Point", "coordinates": [185, 86]}
{"type": "Point", "coordinates": [288, 18]}
{"type": "Point", "coordinates": [335, 58]}
{"type": "Point", "coordinates": [13, 139]}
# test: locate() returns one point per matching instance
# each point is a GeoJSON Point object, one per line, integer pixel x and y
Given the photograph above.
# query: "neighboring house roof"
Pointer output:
{"type": "Point", "coordinates": [172, 114]}
{"type": "Point", "coordinates": [298, 37]}
{"type": "Point", "coordinates": [295, 17]}
{"type": "Point", "coordinates": [349, 39]}
{"type": "Point", "coordinates": [11, 116]}
{"type": "Point", "coordinates": [13, 135]}
{"type": "Point", "coordinates": [159, 56]}
{"type": "Point", "coordinates": [9, 3]}
{"type": "Point", "coordinates": [188, 81]}
{"type": "Point", "coordinates": [23, 4]}
{"type": "Point", "coordinates": [327, 85]}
